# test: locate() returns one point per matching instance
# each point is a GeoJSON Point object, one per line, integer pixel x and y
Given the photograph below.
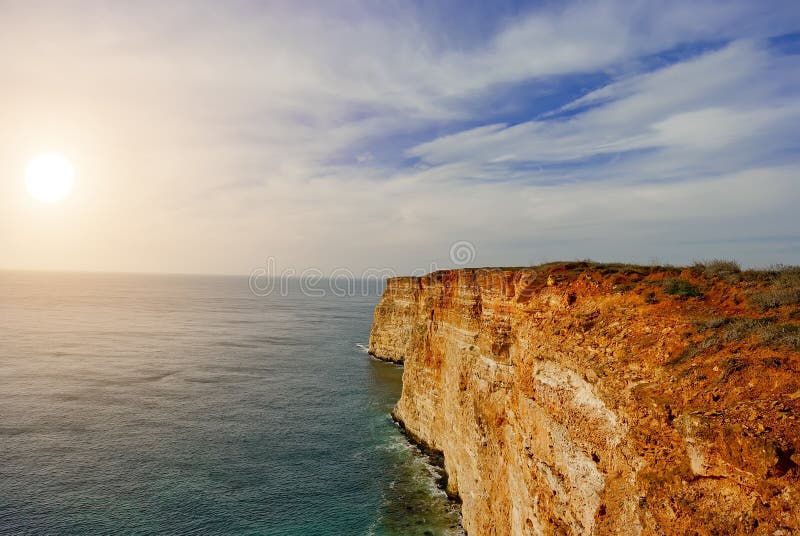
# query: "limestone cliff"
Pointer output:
{"type": "Point", "coordinates": [603, 399]}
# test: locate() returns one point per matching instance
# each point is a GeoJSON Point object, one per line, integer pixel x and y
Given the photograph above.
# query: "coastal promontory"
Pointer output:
{"type": "Point", "coordinates": [585, 398]}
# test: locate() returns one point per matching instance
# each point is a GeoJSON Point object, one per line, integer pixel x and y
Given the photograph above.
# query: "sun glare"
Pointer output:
{"type": "Point", "coordinates": [49, 177]}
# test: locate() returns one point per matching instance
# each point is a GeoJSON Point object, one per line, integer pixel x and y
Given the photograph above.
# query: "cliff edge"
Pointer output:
{"type": "Point", "coordinates": [581, 398]}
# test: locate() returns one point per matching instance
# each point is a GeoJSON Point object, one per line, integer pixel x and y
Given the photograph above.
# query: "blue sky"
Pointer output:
{"type": "Point", "coordinates": [207, 138]}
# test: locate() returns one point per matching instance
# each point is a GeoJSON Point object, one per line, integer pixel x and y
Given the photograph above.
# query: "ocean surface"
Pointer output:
{"type": "Point", "coordinates": [144, 404]}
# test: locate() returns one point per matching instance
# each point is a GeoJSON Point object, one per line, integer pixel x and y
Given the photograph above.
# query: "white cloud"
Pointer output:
{"type": "Point", "coordinates": [201, 130]}
{"type": "Point", "coordinates": [690, 112]}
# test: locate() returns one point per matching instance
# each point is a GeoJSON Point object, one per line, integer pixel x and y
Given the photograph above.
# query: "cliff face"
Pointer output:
{"type": "Point", "coordinates": [582, 399]}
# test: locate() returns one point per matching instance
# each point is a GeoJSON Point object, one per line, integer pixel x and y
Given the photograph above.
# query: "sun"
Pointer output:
{"type": "Point", "coordinates": [49, 177]}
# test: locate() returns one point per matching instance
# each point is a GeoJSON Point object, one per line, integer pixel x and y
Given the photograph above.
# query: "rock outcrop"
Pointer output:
{"type": "Point", "coordinates": [602, 399]}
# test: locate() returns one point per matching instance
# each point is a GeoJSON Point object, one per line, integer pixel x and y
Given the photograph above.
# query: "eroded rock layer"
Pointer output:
{"type": "Point", "coordinates": [582, 399]}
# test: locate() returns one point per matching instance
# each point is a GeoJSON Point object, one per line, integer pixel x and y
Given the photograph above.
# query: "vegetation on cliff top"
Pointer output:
{"type": "Point", "coordinates": [765, 300]}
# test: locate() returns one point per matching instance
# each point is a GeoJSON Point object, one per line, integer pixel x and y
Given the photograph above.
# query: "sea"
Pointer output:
{"type": "Point", "coordinates": [170, 404]}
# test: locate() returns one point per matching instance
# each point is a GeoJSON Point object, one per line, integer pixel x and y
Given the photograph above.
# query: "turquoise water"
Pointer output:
{"type": "Point", "coordinates": [135, 404]}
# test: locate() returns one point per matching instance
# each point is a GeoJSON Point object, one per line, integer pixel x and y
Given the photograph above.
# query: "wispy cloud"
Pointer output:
{"type": "Point", "coordinates": [359, 134]}
{"type": "Point", "coordinates": [719, 100]}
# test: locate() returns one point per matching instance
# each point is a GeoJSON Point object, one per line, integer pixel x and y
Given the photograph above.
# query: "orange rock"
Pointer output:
{"type": "Point", "coordinates": [588, 409]}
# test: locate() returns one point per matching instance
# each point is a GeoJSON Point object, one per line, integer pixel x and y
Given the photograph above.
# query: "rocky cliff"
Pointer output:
{"type": "Point", "coordinates": [604, 399]}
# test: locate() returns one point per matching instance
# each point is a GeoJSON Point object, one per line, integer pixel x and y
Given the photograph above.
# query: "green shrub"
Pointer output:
{"type": "Point", "coordinates": [681, 288]}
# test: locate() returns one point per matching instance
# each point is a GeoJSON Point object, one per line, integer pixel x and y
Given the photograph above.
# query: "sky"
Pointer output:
{"type": "Point", "coordinates": [208, 137]}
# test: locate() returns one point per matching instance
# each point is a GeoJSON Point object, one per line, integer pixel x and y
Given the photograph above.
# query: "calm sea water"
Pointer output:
{"type": "Point", "coordinates": [134, 404]}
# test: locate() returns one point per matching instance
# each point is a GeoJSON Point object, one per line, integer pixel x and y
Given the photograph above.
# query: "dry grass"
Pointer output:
{"type": "Point", "coordinates": [693, 350]}
{"type": "Point", "coordinates": [606, 268]}
{"type": "Point", "coordinates": [787, 335]}
{"type": "Point", "coordinates": [778, 285]}
{"type": "Point", "coordinates": [766, 330]}
{"type": "Point", "coordinates": [717, 267]}
{"type": "Point", "coordinates": [770, 299]}
{"type": "Point", "coordinates": [783, 289]}
{"type": "Point", "coordinates": [731, 366]}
